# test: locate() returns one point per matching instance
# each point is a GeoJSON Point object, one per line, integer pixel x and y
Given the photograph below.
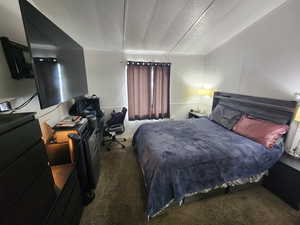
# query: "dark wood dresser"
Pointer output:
{"type": "Point", "coordinates": [68, 206]}
{"type": "Point", "coordinates": [31, 192]}
{"type": "Point", "coordinates": [26, 183]}
{"type": "Point", "coordinates": [284, 180]}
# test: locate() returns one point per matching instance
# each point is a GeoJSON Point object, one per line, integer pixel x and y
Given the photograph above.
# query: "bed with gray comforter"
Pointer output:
{"type": "Point", "coordinates": [179, 158]}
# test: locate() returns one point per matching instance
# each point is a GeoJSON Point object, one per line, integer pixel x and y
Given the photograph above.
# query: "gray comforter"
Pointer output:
{"type": "Point", "coordinates": [183, 157]}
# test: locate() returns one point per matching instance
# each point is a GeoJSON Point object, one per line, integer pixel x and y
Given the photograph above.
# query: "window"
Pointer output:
{"type": "Point", "coordinates": [148, 90]}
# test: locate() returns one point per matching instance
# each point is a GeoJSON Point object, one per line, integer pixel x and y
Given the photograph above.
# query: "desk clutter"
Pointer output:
{"type": "Point", "coordinates": [71, 121]}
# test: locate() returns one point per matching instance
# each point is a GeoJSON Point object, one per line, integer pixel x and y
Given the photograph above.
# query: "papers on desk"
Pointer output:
{"type": "Point", "coordinates": [70, 121]}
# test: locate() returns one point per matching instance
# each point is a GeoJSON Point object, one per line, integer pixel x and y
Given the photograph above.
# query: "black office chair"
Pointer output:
{"type": "Point", "coordinates": [115, 127]}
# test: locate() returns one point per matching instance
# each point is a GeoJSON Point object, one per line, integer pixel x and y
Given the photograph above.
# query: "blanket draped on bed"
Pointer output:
{"type": "Point", "coordinates": [183, 157]}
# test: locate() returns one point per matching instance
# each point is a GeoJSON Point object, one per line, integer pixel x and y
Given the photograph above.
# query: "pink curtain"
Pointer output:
{"type": "Point", "coordinates": [161, 92]}
{"type": "Point", "coordinates": [139, 91]}
{"type": "Point", "coordinates": [148, 95]}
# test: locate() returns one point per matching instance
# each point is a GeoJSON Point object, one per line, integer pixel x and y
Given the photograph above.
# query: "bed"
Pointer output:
{"type": "Point", "coordinates": [182, 158]}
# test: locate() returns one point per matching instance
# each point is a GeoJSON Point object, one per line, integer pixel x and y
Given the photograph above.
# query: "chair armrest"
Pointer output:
{"type": "Point", "coordinates": [115, 125]}
{"type": "Point", "coordinates": [115, 128]}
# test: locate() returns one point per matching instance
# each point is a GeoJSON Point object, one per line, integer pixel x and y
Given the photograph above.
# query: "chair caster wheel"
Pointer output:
{"type": "Point", "coordinates": [125, 139]}
{"type": "Point", "coordinates": [123, 146]}
{"type": "Point", "coordinates": [108, 149]}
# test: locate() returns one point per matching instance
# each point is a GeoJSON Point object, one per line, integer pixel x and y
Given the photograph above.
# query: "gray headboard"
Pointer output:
{"type": "Point", "coordinates": [277, 111]}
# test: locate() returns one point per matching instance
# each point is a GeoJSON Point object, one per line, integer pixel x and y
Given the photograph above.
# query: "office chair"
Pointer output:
{"type": "Point", "coordinates": [115, 127]}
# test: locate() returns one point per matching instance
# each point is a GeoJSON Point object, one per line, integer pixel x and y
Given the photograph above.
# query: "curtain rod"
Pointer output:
{"type": "Point", "coordinates": [148, 63]}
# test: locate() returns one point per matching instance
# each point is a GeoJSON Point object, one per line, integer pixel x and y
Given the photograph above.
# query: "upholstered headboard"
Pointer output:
{"type": "Point", "coordinates": [277, 111]}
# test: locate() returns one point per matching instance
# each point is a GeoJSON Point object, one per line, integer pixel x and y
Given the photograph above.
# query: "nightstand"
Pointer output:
{"type": "Point", "coordinates": [284, 180]}
{"type": "Point", "coordinates": [193, 114]}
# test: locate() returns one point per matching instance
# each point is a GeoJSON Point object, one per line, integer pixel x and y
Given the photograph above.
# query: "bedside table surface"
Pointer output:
{"type": "Point", "coordinates": [198, 114]}
{"type": "Point", "coordinates": [291, 161]}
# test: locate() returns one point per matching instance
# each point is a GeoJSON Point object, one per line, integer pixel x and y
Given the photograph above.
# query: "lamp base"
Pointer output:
{"type": "Point", "coordinates": [294, 153]}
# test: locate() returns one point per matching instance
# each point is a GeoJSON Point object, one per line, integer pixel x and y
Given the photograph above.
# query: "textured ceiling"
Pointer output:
{"type": "Point", "coordinates": [155, 26]}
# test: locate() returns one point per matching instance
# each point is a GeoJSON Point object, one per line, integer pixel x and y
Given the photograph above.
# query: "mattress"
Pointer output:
{"type": "Point", "coordinates": [179, 158]}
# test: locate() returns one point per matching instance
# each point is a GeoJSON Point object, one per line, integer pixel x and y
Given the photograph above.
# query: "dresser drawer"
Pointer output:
{"type": "Point", "coordinates": [61, 203]}
{"type": "Point", "coordinates": [16, 178]}
{"type": "Point", "coordinates": [16, 141]}
{"type": "Point", "coordinates": [33, 207]}
{"type": "Point", "coordinates": [72, 213]}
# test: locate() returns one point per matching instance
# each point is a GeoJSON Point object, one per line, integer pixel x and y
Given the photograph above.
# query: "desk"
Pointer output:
{"type": "Point", "coordinates": [85, 130]}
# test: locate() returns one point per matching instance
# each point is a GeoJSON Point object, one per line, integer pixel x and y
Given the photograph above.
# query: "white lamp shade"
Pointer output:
{"type": "Point", "coordinates": [297, 114]}
{"type": "Point", "coordinates": [206, 92]}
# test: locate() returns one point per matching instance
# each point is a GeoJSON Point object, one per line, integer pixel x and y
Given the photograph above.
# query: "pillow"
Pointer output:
{"type": "Point", "coordinates": [225, 116]}
{"type": "Point", "coordinates": [261, 131]}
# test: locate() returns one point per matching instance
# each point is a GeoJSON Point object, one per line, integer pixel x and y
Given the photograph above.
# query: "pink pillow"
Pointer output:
{"type": "Point", "coordinates": [261, 131]}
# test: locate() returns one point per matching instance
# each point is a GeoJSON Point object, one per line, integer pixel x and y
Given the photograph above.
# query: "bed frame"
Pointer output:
{"type": "Point", "coordinates": [278, 111]}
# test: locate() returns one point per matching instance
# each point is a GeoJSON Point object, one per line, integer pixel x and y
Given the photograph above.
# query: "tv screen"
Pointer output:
{"type": "Point", "coordinates": [58, 60]}
{"type": "Point", "coordinates": [18, 59]}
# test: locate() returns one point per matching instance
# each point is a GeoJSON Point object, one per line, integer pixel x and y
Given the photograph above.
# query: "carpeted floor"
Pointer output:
{"type": "Point", "coordinates": [120, 200]}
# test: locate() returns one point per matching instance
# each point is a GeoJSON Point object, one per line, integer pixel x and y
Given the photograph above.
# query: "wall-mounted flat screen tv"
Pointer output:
{"type": "Point", "coordinates": [57, 60]}
{"type": "Point", "coordinates": [18, 59]}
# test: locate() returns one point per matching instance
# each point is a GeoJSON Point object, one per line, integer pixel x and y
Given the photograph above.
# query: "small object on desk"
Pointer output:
{"type": "Point", "coordinates": [76, 118]}
{"type": "Point", "coordinates": [196, 114]}
{"type": "Point", "coordinates": [68, 124]}
{"type": "Point", "coordinates": [5, 104]}
{"type": "Point", "coordinates": [284, 180]}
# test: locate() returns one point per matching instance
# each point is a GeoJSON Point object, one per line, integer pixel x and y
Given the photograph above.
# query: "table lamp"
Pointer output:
{"type": "Point", "coordinates": [297, 115]}
{"type": "Point", "coordinates": [295, 148]}
{"type": "Point", "coordinates": [205, 93]}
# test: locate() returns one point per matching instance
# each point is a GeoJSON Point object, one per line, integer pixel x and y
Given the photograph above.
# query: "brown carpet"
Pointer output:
{"type": "Point", "coordinates": [120, 200]}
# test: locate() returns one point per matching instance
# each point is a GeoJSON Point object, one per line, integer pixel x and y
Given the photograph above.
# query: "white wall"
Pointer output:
{"type": "Point", "coordinates": [107, 79]}
{"type": "Point", "coordinates": [263, 60]}
{"type": "Point", "coordinates": [11, 26]}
